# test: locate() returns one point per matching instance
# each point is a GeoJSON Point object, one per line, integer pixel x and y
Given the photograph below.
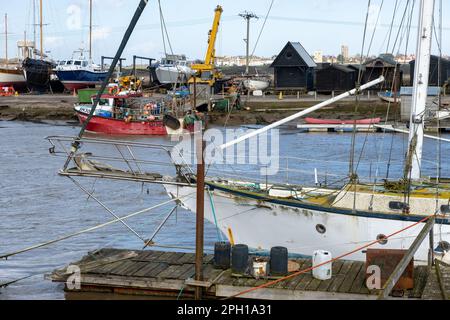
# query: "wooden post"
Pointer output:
{"type": "Point", "coordinates": [199, 226]}
{"type": "Point", "coordinates": [400, 268]}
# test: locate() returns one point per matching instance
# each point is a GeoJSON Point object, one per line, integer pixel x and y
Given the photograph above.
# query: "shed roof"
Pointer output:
{"type": "Point", "coordinates": [302, 54]}
{"type": "Point", "coordinates": [340, 67]}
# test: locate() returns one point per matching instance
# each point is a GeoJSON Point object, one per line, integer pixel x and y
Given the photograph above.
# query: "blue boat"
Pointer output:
{"type": "Point", "coordinates": [79, 73]}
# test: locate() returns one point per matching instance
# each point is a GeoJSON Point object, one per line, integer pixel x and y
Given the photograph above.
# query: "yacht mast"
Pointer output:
{"type": "Point", "coordinates": [90, 30]}
{"type": "Point", "coordinates": [41, 29]}
{"type": "Point", "coordinates": [6, 38]}
{"type": "Point", "coordinates": [420, 87]}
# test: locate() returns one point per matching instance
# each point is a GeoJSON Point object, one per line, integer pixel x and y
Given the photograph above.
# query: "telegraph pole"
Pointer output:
{"type": "Point", "coordinates": [247, 16]}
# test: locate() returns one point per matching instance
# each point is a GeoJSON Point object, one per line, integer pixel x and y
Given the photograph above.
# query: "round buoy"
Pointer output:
{"type": "Point", "coordinates": [239, 258]}
{"type": "Point", "coordinates": [278, 261]}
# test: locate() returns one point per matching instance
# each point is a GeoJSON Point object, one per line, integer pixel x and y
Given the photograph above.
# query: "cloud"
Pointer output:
{"type": "Point", "coordinates": [101, 33]}
{"type": "Point", "coordinates": [53, 42]}
{"type": "Point", "coordinates": [114, 3]}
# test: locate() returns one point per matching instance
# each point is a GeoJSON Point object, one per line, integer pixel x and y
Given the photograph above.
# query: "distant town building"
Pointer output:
{"type": "Point", "coordinates": [344, 53]}
{"type": "Point", "coordinates": [228, 61]}
{"type": "Point", "coordinates": [318, 57]}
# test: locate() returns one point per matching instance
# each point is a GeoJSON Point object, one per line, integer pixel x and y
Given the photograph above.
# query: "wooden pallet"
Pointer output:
{"type": "Point", "coordinates": [160, 273]}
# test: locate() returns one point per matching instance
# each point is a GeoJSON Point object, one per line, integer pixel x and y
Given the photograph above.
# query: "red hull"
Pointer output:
{"type": "Point", "coordinates": [337, 121]}
{"type": "Point", "coordinates": [18, 86]}
{"type": "Point", "coordinates": [77, 86]}
{"type": "Point", "coordinates": [115, 126]}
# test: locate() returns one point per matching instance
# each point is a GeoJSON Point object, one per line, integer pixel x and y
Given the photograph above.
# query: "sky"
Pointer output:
{"type": "Point", "coordinates": [319, 25]}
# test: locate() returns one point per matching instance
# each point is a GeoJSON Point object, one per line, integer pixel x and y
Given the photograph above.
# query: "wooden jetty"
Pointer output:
{"type": "Point", "coordinates": [171, 274]}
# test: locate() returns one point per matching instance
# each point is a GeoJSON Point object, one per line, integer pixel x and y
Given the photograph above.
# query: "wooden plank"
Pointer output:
{"type": "Point", "coordinates": [187, 258]}
{"type": "Point", "coordinates": [339, 278]}
{"type": "Point", "coordinates": [106, 269]}
{"type": "Point", "coordinates": [420, 280]}
{"type": "Point", "coordinates": [359, 285]}
{"type": "Point", "coordinates": [156, 271]}
{"type": "Point", "coordinates": [181, 270]}
{"type": "Point", "coordinates": [293, 282]}
{"type": "Point", "coordinates": [189, 273]}
{"type": "Point", "coordinates": [121, 269]}
{"type": "Point", "coordinates": [146, 270]}
{"type": "Point", "coordinates": [335, 268]}
{"type": "Point", "coordinates": [137, 265]}
{"type": "Point", "coordinates": [350, 277]}
{"type": "Point", "coordinates": [169, 271]}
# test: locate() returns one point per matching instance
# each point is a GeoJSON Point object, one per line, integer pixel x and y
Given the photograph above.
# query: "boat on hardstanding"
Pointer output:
{"type": "Point", "coordinates": [82, 72]}
{"type": "Point", "coordinates": [389, 96]}
{"type": "Point", "coordinates": [79, 73]}
{"type": "Point", "coordinates": [305, 219]}
{"type": "Point", "coordinates": [38, 72]}
{"type": "Point", "coordinates": [173, 69]}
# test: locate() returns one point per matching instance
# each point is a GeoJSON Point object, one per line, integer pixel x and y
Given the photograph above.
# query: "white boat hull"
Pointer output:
{"type": "Point", "coordinates": [170, 74]}
{"type": "Point", "coordinates": [253, 85]}
{"type": "Point", "coordinates": [262, 225]}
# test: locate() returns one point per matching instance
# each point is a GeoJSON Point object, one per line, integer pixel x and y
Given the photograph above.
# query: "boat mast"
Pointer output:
{"type": "Point", "coordinates": [247, 16]}
{"type": "Point", "coordinates": [420, 88]}
{"type": "Point", "coordinates": [90, 31]}
{"type": "Point", "coordinates": [41, 29]}
{"type": "Point", "coordinates": [6, 38]}
{"type": "Point", "coordinates": [34, 24]}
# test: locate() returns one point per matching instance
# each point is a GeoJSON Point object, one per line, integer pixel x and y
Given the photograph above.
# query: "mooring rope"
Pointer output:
{"type": "Point", "coordinates": [6, 256]}
{"type": "Point", "coordinates": [331, 260]}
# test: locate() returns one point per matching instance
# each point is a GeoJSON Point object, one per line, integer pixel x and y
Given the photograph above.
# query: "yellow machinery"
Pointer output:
{"type": "Point", "coordinates": [206, 72]}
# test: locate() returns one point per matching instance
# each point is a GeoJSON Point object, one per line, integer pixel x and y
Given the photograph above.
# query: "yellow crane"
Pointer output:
{"type": "Point", "coordinates": [206, 73]}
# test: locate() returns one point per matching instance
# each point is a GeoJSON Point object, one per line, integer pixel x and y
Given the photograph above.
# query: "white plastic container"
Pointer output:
{"type": "Point", "coordinates": [323, 272]}
{"type": "Point", "coordinates": [259, 268]}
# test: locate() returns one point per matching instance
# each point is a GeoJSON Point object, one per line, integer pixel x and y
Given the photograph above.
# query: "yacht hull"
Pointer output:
{"type": "Point", "coordinates": [264, 224]}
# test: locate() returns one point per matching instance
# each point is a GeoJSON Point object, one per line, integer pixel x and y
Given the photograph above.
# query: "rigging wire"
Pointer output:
{"type": "Point", "coordinates": [262, 28]}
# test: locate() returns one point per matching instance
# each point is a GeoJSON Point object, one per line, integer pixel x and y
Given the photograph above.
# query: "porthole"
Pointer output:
{"type": "Point", "coordinates": [289, 54]}
{"type": "Point", "coordinates": [321, 228]}
{"type": "Point", "coordinates": [382, 239]}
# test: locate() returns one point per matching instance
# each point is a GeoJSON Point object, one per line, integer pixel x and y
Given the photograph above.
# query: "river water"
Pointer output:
{"type": "Point", "coordinates": [37, 205]}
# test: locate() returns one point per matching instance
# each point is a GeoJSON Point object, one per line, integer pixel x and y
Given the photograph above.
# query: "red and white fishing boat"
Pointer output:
{"type": "Point", "coordinates": [338, 121]}
{"type": "Point", "coordinates": [132, 114]}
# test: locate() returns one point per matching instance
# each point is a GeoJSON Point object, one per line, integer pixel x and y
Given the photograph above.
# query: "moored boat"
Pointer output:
{"type": "Point", "coordinates": [12, 77]}
{"type": "Point", "coordinates": [338, 121]}
{"type": "Point", "coordinates": [389, 96]}
{"type": "Point", "coordinates": [132, 114]}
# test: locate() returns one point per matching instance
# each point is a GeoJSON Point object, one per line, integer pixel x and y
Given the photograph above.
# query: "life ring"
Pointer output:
{"type": "Point", "coordinates": [113, 90]}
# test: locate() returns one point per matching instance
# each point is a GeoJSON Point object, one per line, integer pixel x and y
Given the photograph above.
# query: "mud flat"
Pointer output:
{"type": "Point", "coordinates": [257, 111]}
{"type": "Point", "coordinates": [37, 107]}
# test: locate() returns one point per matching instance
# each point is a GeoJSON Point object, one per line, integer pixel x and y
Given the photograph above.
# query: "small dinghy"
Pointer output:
{"type": "Point", "coordinates": [338, 121]}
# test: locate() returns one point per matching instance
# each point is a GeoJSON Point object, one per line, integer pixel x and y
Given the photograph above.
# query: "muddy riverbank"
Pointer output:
{"type": "Point", "coordinates": [257, 111]}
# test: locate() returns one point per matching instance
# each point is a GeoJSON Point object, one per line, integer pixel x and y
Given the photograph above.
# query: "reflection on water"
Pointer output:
{"type": "Point", "coordinates": [37, 205]}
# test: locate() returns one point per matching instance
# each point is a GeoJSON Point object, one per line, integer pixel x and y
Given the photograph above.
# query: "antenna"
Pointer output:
{"type": "Point", "coordinates": [247, 16]}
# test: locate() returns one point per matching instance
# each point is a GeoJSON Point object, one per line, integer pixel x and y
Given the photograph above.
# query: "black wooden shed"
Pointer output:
{"type": "Point", "coordinates": [434, 73]}
{"type": "Point", "coordinates": [384, 65]}
{"type": "Point", "coordinates": [336, 77]}
{"type": "Point", "coordinates": [294, 68]}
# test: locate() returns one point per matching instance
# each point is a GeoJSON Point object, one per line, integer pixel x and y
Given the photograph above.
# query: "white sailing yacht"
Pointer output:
{"type": "Point", "coordinates": [305, 219]}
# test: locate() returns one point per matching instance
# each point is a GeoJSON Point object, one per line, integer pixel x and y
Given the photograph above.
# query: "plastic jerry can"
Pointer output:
{"type": "Point", "coordinates": [324, 271]}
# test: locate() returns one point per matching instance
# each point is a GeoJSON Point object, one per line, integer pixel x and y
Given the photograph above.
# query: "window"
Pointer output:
{"type": "Point", "coordinates": [289, 54]}
{"type": "Point", "coordinates": [61, 63]}
{"type": "Point", "coordinates": [69, 62]}
{"type": "Point", "coordinates": [321, 228]}
{"type": "Point", "coordinates": [85, 63]}
{"type": "Point", "coordinates": [77, 63]}
{"type": "Point", "coordinates": [382, 239]}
